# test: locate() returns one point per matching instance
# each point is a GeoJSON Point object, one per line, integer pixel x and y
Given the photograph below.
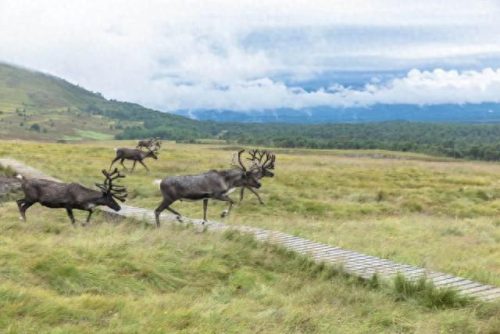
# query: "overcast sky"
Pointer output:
{"type": "Point", "coordinates": [253, 55]}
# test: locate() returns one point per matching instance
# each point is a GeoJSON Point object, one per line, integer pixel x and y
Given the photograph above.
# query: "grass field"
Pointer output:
{"type": "Point", "coordinates": [411, 208]}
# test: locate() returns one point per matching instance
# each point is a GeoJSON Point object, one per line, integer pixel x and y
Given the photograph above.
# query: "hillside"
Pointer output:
{"type": "Point", "coordinates": [34, 105]}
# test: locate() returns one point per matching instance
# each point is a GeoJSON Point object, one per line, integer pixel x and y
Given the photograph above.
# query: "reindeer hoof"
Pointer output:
{"type": "Point", "coordinates": [223, 214]}
{"type": "Point", "coordinates": [179, 219]}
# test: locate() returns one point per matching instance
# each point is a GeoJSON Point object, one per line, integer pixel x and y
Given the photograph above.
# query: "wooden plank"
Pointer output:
{"type": "Point", "coordinates": [321, 249]}
{"type": "Point", "coordinates": [344, 255]}
{"type": "Point", "coordinates": [293, 243]}
{"type": "Point", "coordinates": [482, 293]}
{"type": "Point", "coordinates": [307, 244]}
{"type": "Point", "coordinates": [473, 291]}
{"type": "Point", "coordinates": [492, 296]}
{"type": "Point", "coordinates": [460, 285]}
{"type": "Point", "coordinates": [444, 279]}
{"type": "Point", "coordinates": [304, 249]}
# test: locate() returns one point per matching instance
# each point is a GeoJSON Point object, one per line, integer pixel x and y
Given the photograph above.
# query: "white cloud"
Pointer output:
{"type": "Point", "coordinates": [195, 54]}
{"type": "Point", "coordinates": [417, 87]}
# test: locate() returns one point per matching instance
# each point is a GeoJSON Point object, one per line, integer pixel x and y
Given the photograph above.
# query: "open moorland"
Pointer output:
{"type": "Point", "coordinates": [128, 277]}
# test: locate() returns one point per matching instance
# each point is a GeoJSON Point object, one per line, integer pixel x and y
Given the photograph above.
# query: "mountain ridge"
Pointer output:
{"type": "Point", "coordinates": [469, 113]}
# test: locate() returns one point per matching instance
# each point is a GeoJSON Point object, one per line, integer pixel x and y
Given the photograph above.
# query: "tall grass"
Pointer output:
{"type": "Point", "coordinates": [404, 208]}
{"type": "Point", "coordinates": [427, 294]}
{"type": "Point", "coordinates": [125, 277]}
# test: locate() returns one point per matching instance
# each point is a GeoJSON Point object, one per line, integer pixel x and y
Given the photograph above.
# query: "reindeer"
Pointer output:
{"type": "Point", "coordinates": [71, 196]}
{"type": "Point", "coordinates": [149, 143]}
{"type": "Point", "coordinates": [256, 157]}
{"type": "Point", "coordinates": [213, 184]}
{"type": "Point", "coordinates": [135, 155]}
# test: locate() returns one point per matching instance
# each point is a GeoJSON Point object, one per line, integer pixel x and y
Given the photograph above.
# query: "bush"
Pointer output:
{"type": "Point", "coordinates": [35, 127]}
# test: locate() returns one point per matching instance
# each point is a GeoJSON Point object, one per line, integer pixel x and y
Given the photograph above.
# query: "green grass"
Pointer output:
{"type": "Point", "coordinates": [94, 135]}
{"type": "Point", "coordinates": [128, 277]}
{"type": "Point", "coordinates": [427, 294]}
{"type": "Point", "coordinates": [404, 210]}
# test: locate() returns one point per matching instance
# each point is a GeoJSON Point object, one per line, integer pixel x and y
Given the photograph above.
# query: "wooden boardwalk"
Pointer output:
{"type": "Point", "coordinates": [352, 262]}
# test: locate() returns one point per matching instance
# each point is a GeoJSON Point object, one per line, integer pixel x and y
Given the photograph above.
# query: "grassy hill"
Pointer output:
{"type": "Point", "coordinates": [125, 277]}
{"type": "Point", "coordinates": [35, 105]}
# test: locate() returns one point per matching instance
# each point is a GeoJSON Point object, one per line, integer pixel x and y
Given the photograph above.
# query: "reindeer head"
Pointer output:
{"type": "Point", "coordinates": [156, 143]}
{"type": "Point", "coordinates": [250, 176]}
{"type": "Point", "coordinates": [111, 191]}
{"type": "Point", "coordinates": [152, 153]}
{"type": "Point", "coordinates": [263, 161]}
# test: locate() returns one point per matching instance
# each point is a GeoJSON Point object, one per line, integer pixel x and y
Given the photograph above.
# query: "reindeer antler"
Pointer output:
{"type": "Point", "coordinates": [240, 164]}
{"type": "Point", "coordinates": [117, 191]}
{"type": "Point", "coordinates": [256, 156]}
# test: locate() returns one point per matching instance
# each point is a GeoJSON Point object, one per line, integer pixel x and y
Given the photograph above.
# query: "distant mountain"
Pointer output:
{"type": "Point", "coordinates": [35, 105]}
{"type": "Point", "coordinates": [484, 112]}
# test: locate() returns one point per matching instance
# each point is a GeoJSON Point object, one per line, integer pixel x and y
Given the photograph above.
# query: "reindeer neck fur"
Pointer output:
{"type": "Point", "coordinates": [232, 177]}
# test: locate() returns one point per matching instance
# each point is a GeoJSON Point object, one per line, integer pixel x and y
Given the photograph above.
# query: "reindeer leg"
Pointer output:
{"type": "Point", "coordinates": [179, 217]}
{"type": "Point", "coordinates": [133, 166]}
{"type": "Point", "coordinates": [70, 215]}
{"type": "Point", "coordinates": [88, 217]}
{"type": "Point", "coordinates": [226, 198]}
{"type": "Point", "coordinates": [121, 163]}
{"type": "Point", "coordinates": [20, 203]}
{"type": "Point", "coordinates": [242, 191]}
{"type": "Point", "coordinates": [205, 206]}
{"type": "Point", "coordinates": [256, 194]}
{"type": "Point", "coordinates": [165, 205]}
{"type": "Point", "coordinates": [112, 162]}
{"type": "Point", "coordinates": [142, 163]}
{"type": "Point", "coordinates": [23, 205]}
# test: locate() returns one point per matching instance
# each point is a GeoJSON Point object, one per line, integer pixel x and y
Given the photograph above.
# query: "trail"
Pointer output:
{"type": "Point", "coordinates": [352, 262]}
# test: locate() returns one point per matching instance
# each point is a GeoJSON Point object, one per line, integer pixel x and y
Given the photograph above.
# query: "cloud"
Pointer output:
{"type": "Point", "coordinates": [417, 87]}
{"type": "Point", "coordinates": [248, 55]}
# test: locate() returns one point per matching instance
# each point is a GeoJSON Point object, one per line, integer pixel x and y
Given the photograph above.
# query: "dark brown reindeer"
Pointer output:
{"type": "Point", "coordinates": [264, 160]}
{"type": "Point", "coordinates": [134, 154]}
{"type": "Point", "coordinates": [149, 143]}
{"type": "Point", "coordinates": [210, 185]}
{"type": "Point", "coordinates": [71, 196]}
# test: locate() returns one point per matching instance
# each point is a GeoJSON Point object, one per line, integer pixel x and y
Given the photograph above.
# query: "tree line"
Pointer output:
{"type": "Point", "coordinates": [469, 141]}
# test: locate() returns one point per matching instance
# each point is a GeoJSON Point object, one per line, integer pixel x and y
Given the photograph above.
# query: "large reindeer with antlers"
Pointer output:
{"type": "Point", "coordinates": [71, 196]}
{"type": "Point", "coordinates": [264, 160]}
{"type": "Point", "coordinates": [210, 185]}
{"type": "Point", "coordinates": [134, 154]}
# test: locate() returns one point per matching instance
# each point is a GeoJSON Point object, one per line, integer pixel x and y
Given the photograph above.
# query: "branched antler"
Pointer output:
{"type": "Point", "coordinates": [257, 157]}
{"type": "Point", "coordinates": [236, 161]}
{"type": "Point", "coordinates": [117, 191]}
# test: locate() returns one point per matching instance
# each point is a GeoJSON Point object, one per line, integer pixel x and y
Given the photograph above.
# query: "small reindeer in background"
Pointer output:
{"type": "Point", "coordinates": [264, 161]}
{"type": "Point", "coordinates": [153, 143]}
{"type": "Point", "coordinates": [134, 154]}
{"type": "Point", "coordinates": [71, 196]}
